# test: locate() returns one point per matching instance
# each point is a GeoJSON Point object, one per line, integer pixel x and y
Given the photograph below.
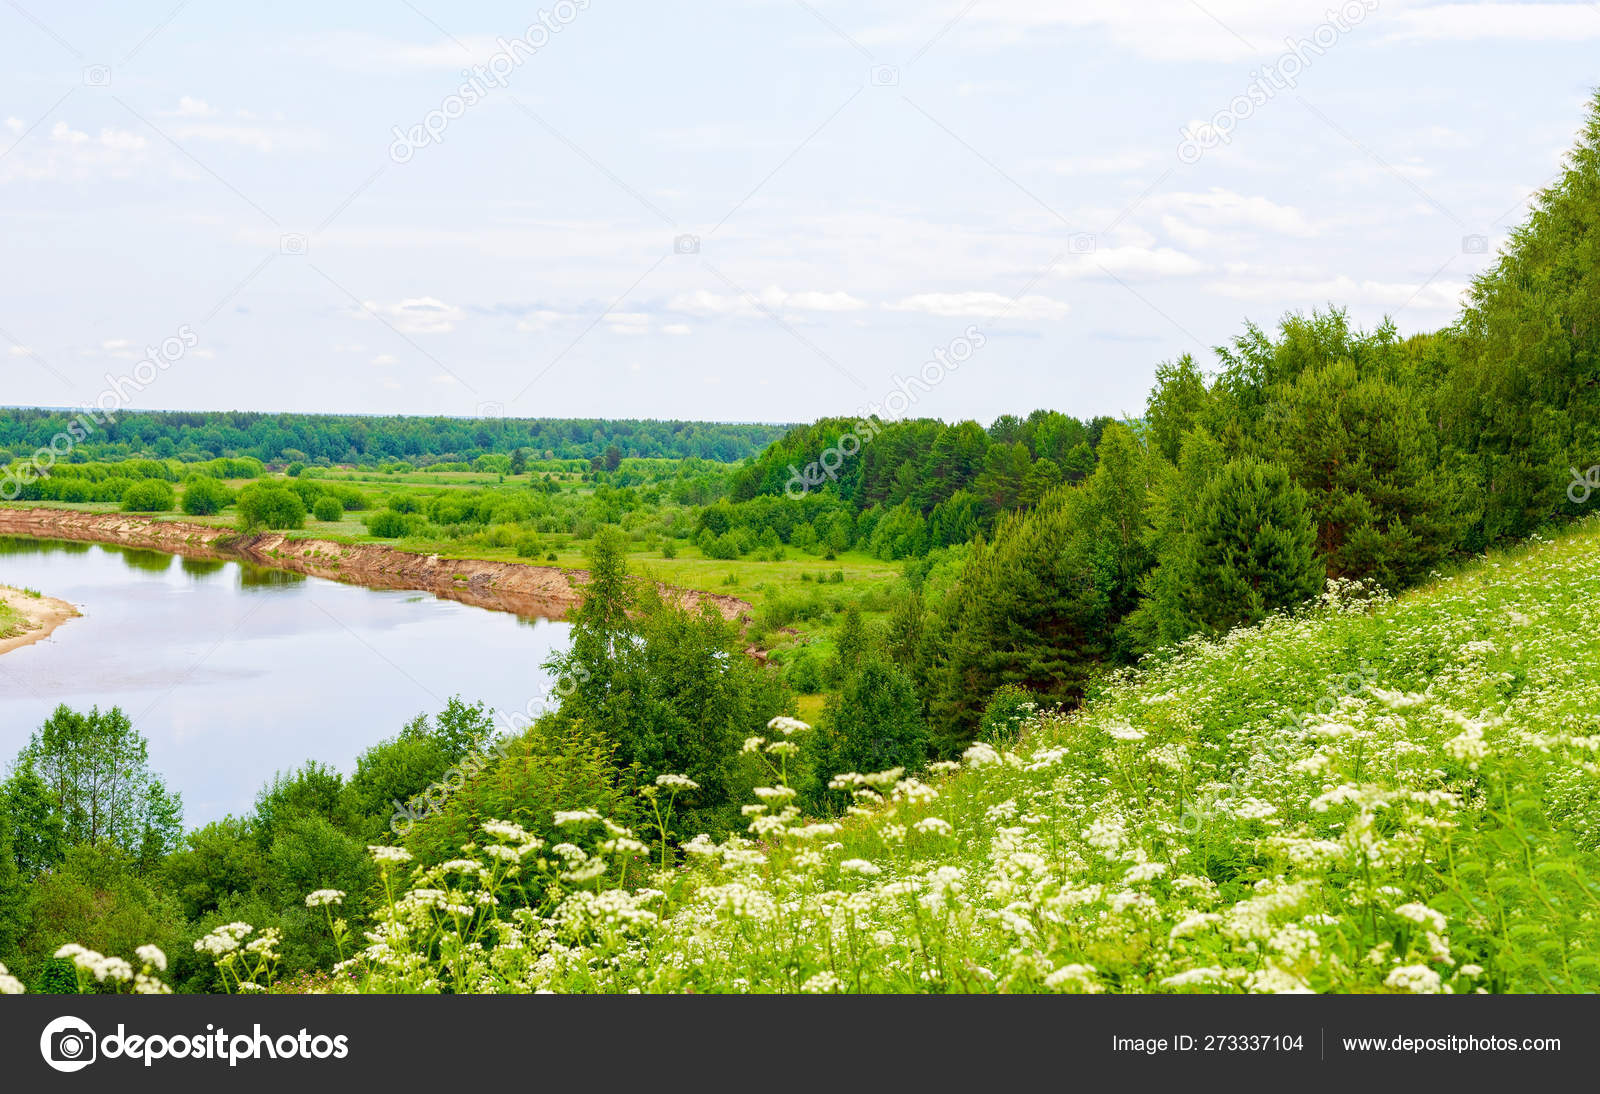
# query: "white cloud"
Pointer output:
{"type": "Point", "coordinates": [770, 299]}
{"type": "Point", "coordinates": [72, 155]}
{"type": "Point", "coordinates": [374, 53]}
{"type": "Point", "coordinates": [982, 305]}
{"type": "Point", "coordinates": [384, 359]}
{"type": "Point", "coordinates": [677, 328]}
{"type": "Point", "coordinates": [20, 351]}
{"type": "Point", "coordinates": [1131, 262]}
{"type": "Point", "coordinates": [1300, 292]}
{"type": "Point", "coordinates": [626, 322]}
{"type": "Point", "coordinates": [418, 315]}
{"type": "Point", "coordinates": [115, 343]}
{"type": "Point", "coordinates": [1219, 207]}
{"type": "Point", "coordinates": [260, 138]}
{"type": "Point", "coordinates": [1498, 22]}
{"type": "Point", "coordinates": [540, 321]}
{"type": "Point", "coordinates": [189, 107]}
{"type": "Point", "coordinates": [1110, 163]}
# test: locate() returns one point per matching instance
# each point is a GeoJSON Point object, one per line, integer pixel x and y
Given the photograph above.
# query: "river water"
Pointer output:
{"type": "Point", "coordinates": [234, 672]}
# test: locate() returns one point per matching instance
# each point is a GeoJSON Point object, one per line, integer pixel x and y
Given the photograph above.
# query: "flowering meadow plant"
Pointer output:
{"type": "Point", "coordinates": [1210, 822]}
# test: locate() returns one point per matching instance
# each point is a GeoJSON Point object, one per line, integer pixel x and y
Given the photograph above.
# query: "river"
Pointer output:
{"type": "Point", "coordinates": [234, 671]}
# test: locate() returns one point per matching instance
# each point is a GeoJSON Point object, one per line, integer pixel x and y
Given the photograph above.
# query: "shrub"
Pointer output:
{"type": "Point", "coordinates": [267, 505]}
{"type": "Point", "coordinates": [1008, 708]}
{"type": "Point", "coordinates": [204, 496]}
{"type": "Point", "coordinates": [148, 496]}
{"type": "Point", "coordinates": [387, 524]}
{"type": "Point", "coordinates": [327, 509]}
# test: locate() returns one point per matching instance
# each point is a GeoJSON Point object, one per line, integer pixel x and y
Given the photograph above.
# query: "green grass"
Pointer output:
{"type": "Point", "coordinates": [12, 622]}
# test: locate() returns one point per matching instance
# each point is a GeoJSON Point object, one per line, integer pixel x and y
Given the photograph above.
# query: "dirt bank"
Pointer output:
{"type": "Point", "coordinates": [43, 614]}
{"type": "Point", "coordinates": [542, 591]}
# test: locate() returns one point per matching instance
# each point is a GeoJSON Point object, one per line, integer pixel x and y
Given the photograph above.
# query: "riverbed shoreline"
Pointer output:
{"type": "Point", "coordinates": [546, 592]}
{"type": "Point", "coordinates": [43, 614]}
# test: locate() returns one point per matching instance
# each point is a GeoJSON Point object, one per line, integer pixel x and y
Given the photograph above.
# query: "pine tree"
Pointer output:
{"type": "Point", "coordinates": [1253, 546]}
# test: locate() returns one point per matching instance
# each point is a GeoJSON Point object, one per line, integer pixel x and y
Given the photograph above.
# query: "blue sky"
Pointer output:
{"type": "Point", "coordinates": [757, 210]}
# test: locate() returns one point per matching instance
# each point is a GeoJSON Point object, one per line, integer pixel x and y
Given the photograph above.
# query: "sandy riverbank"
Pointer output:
{"type": "Point", "coordinates": [42, 614]}
{"type": "Point", "coordinates": [501, 586]}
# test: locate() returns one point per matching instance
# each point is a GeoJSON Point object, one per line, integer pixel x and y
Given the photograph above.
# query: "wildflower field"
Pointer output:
{"type": "Point", "coordinates": [1372, 795]}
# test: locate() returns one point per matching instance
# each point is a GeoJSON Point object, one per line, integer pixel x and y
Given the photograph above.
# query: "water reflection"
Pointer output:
{"type": "Point", "coordinates": [201, 567]}
{"type": "Point", "coordinates": [153, 562]}
{"type": "Point", "coordinates": [235, 672]}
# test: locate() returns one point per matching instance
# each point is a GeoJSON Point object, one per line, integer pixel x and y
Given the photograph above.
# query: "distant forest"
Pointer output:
{"type": "Point", "coordinates": [362, 439]}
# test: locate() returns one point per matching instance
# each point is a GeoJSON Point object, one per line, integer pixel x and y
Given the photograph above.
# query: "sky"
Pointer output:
{"type": "Point", "coordinates": [743, 210]}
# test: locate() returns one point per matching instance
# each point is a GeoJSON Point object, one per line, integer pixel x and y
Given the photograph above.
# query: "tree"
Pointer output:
{"type": "Point", "coordinates": [1385, 502]}
{"type": "Point", "coordinates": [1521, 400]}
{"type": "Point", "coordinates": [214, 862]}
{"type": "Point", "coordinates": [148, 496]}
{"type": "Point", "coordinates": [13, 894]}
{"type": "Point", "coordinates": [1252, 549]}
{"type": "Point", "coordinates": [670, 688]}
{"type": "Point", "coordinates": [327, 509]}
{"type": "Point", "coordinates": [873, 724]}
{"type": "Point", "coordinates": [97, 767]}
{"type": "Point", "coordinates": [38, 837]}
{"type": "Point", "coordinates": [1039, 606]}
{"type": "Point", "coordinates": [1174, 405]}
{"type": "Point", "coordinates": [519, 461]}
{"type": "Point", "coordinates": [204, 496]}
{"type": "Point", "coordinates": [263, 505]}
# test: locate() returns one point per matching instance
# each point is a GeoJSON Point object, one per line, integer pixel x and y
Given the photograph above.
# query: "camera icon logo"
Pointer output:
{"type": "Point", "coordinates": [68, 1044]}
{"type": "Point", "coordinates": [1474, 245]}
{"type": "Point", "coordinates": [686, 245]}
{"type": "Point", "coordinates": [293, 244]}
{"type": "Point", "coordinates": [883, 76]}
{"type": "Point", "coordinates": [97, 76]}
{"type": "Point", "coordinates": [1081, 243]}
{"type": "Point", "coordinates": [491, 410]}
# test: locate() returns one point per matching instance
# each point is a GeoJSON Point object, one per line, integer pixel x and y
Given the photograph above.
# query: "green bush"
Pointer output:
{"type": "Point", "coordinates": [267, 505]}
{"type": "Point", "coordinates": [204, 496]}
{"type": "Point", "coordinates": [148, 496]}
{"type": "Point", "coordinates": [387, 524]}
{"type": "Point", "coordinates": [327, 509]}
